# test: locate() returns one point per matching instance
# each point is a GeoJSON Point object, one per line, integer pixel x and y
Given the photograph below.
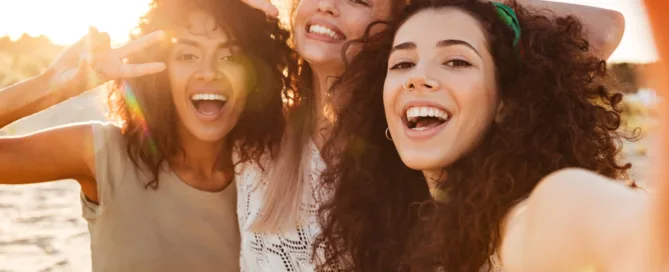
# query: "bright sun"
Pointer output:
{"type": "Point", "coordinates": [65, 21]}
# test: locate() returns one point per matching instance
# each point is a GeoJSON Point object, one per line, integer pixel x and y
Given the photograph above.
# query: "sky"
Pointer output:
{"type": "Point", "coordinates": [65, 21]}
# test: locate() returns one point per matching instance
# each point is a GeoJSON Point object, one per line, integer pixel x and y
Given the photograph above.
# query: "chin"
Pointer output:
{"type": "Point", "coordinates": [211, 136]}
{"type": "Point", "coordinates": [318, 55]}
{"type": "Point", "coordinates": [420, 162]}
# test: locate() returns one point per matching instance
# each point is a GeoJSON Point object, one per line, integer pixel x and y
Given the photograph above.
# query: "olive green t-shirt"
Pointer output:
{"type": "Point", "coordinates": [172, 228]}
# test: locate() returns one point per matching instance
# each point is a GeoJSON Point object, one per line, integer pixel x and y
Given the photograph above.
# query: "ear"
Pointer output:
{"type": "Point", "coordinates": [499, 116]}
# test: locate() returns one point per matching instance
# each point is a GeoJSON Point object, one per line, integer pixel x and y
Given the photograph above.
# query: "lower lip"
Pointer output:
{"type": "Point", "coordinates": [207, 117]}
{"type": "Point", "coordinates": [424, 134]}
{"type": "Point", "coordinates": [322, 37]}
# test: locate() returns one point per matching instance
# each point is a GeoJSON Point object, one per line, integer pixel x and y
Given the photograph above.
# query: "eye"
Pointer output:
{"type": "Point", "coordinates": [458, 63]}
{"type": "Point", "coordinates": [230, 58]}
{"type": "Point", "coordinates": [187, 57]}
{"type": "Point", "coordinates": [360, 2]}
{"type": "Point", "coordinates": [402, 65]}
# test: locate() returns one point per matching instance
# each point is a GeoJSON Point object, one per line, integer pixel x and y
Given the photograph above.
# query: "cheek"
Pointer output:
{"type": "Point", "coordinates": [238, 77]}
{"type": "Point", "coordinates": [356, 22]}
{"type": "Point", "coordinates": [389, 95]}
{"type": "Point", "coordinates": [178, 77]}
{"type": "Point", "coordinates": [300, 14]}
{"type": "Point", "coordinates": [477, 105]}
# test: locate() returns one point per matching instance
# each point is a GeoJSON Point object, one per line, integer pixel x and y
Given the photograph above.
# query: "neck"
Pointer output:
{"type": "Point", "coordinates": [432, 177]}
{"type": "Point", "coordinates": [199, 158]}
{"type": "Point", "coordinates": [323, 102]}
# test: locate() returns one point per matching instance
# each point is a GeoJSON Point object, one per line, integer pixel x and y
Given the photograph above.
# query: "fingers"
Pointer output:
{"type": "Point", "coordinates": [140, 44]}
{"type": "Point", "coordinates": [95, 42]}
{"type": "Point", "coordinates": [264, 5]}
{"type": "Point", "coordinates": [138, 70]}
{"type": "Point", "coordinates": [102, 42]}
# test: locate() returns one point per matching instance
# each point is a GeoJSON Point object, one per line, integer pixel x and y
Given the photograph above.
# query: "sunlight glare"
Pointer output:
{"type": "Point", "coordinates": [66, 21]}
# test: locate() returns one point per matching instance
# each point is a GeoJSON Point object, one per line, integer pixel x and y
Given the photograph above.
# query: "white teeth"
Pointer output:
{"type": "Point", "coordinates": [208, 97]}
{"type": "Point", "coordinates": [319, 29]}
{"type": "Point", "coordinates": [413, 113]}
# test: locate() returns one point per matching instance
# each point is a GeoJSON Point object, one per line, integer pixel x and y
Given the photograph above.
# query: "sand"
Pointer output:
{"type": "Point", "coordinates": [41, 228]}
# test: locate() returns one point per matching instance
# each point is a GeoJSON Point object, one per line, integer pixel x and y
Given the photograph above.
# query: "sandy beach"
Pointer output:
{"type": "Point", "coordinates": [41, 228]}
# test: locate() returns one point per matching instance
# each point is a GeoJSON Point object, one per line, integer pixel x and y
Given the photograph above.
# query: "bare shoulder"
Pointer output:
{"type": "Point", "coordinates": [568, 206]}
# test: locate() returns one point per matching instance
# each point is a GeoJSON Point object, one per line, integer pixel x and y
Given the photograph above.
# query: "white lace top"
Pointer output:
{"type": "Point", "coordinates": [289, 250]}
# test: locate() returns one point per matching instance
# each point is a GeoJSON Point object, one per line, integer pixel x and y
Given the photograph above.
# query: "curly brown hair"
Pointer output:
{"type": "Point", "coordinates": [265, 53]}
{"type": "Point", "coordinates": [559, 111]}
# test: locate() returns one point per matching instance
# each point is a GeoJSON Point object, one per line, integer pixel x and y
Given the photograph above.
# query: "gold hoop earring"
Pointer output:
{"type": "Point", "coordinates": [388, 135]}
{"type": "Point", "coordinates": [409, 84]}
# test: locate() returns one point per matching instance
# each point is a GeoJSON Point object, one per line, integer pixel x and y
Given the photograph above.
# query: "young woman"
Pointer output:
{"type": "Point", "coordinates": [470, 158]}
{"type": "Point", "coordinates": [277, 209]}
{"type": "Point", "coordinates": [156, 184]}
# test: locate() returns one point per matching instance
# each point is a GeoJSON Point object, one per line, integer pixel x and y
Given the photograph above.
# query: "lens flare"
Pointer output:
{"type": "Point", "coordinates": [136, 110]}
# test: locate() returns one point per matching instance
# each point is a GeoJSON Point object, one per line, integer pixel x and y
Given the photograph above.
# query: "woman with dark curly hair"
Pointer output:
{"type": "Point", "coordinates": [479, 136]}
{"type": "Point", "coordinates": [157, 185]}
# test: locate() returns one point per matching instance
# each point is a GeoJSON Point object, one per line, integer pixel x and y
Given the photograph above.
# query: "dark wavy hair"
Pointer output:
{"type": "Point", "coordinates": [151, 135]}
{"type": "Point", "coordinates": [559, 111]}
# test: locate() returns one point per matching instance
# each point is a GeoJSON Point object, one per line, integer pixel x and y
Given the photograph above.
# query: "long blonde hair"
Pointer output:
{"type": "Point", "coordinates": [288, 174]}
{"type": "Point", "coordinates": [286, 183]}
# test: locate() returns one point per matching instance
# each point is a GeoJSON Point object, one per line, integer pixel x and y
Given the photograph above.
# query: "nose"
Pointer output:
{"type": "Point", "coordinates": [328, 7]}
{"type": "Point", "coordinates": [421, 82]}
{"type": "Point", "coordinates": [208, 72]}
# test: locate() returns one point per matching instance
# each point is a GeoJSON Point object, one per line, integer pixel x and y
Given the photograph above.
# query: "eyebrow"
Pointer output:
{"type": "Point", "coordinates": [226, 44]}
{"type": "Point", "coordinates": [443, 43]}
{"type": "Point", "coordinates": [403, 46]}
{"type": "Point", "coordinates": [447, 43]}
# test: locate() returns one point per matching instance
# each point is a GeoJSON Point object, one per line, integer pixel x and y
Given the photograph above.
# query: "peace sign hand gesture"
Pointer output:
{"type": "Point", "coordinates": [91, 62]}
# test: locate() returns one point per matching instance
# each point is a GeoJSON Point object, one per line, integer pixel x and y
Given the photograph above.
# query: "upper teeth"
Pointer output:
{"type": "Point", "coordinates": [209, 97]}
{"type": "Point", "coordinates": [414, 113]}
{"type": "Point", "coordinates": [323, 30]}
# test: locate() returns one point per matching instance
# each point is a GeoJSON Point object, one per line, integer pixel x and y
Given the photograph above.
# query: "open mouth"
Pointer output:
{"type": "Point", "coordinates": [425, 117]}
{"type": "Point", "coordinates": [208, 104]}
{"type": "Point", "coordinates": [322, 30]}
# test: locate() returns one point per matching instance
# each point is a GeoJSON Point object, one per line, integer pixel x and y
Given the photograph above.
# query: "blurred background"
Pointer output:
{"type": "Point", "coordinates": [41, 228]}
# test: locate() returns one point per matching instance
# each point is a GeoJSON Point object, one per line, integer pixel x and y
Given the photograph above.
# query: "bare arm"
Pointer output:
{"type": "Point", "coordinates": [85, 65]}
{"type": "Point", "coordinates": [576, 220]}
{"type": "Point", "coordinates": [28, 97]}
{"type": "Point", "coordinates": [604, 27]}
{"type": "Point", "coordinates": [65, 152]}
{"type": "Point", "coordinates": [60, 153]}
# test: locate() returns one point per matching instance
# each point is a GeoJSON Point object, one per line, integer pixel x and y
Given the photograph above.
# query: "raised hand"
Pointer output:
{"type": "Point", "coordinates": [91, 62]}
{"type": "Point", "coordinates": [265, 5]}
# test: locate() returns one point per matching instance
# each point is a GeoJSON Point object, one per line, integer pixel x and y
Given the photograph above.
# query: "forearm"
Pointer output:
{"type": "Point", "coordinates": [27, 97]}
{"type": "Point", "coordinates": [604, 27]}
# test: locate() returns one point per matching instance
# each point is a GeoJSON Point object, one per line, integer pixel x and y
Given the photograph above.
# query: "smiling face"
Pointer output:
{"type": "Point", "coordinates": [208, 83]}
{"type": "Point", "coordinates": [322, 27]}
{"type": "Point", "coordinates": [449, 98]}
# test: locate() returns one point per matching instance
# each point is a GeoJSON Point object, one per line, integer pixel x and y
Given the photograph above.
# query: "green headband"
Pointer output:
{"type": "Point", "coordinates": [507, 15]}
